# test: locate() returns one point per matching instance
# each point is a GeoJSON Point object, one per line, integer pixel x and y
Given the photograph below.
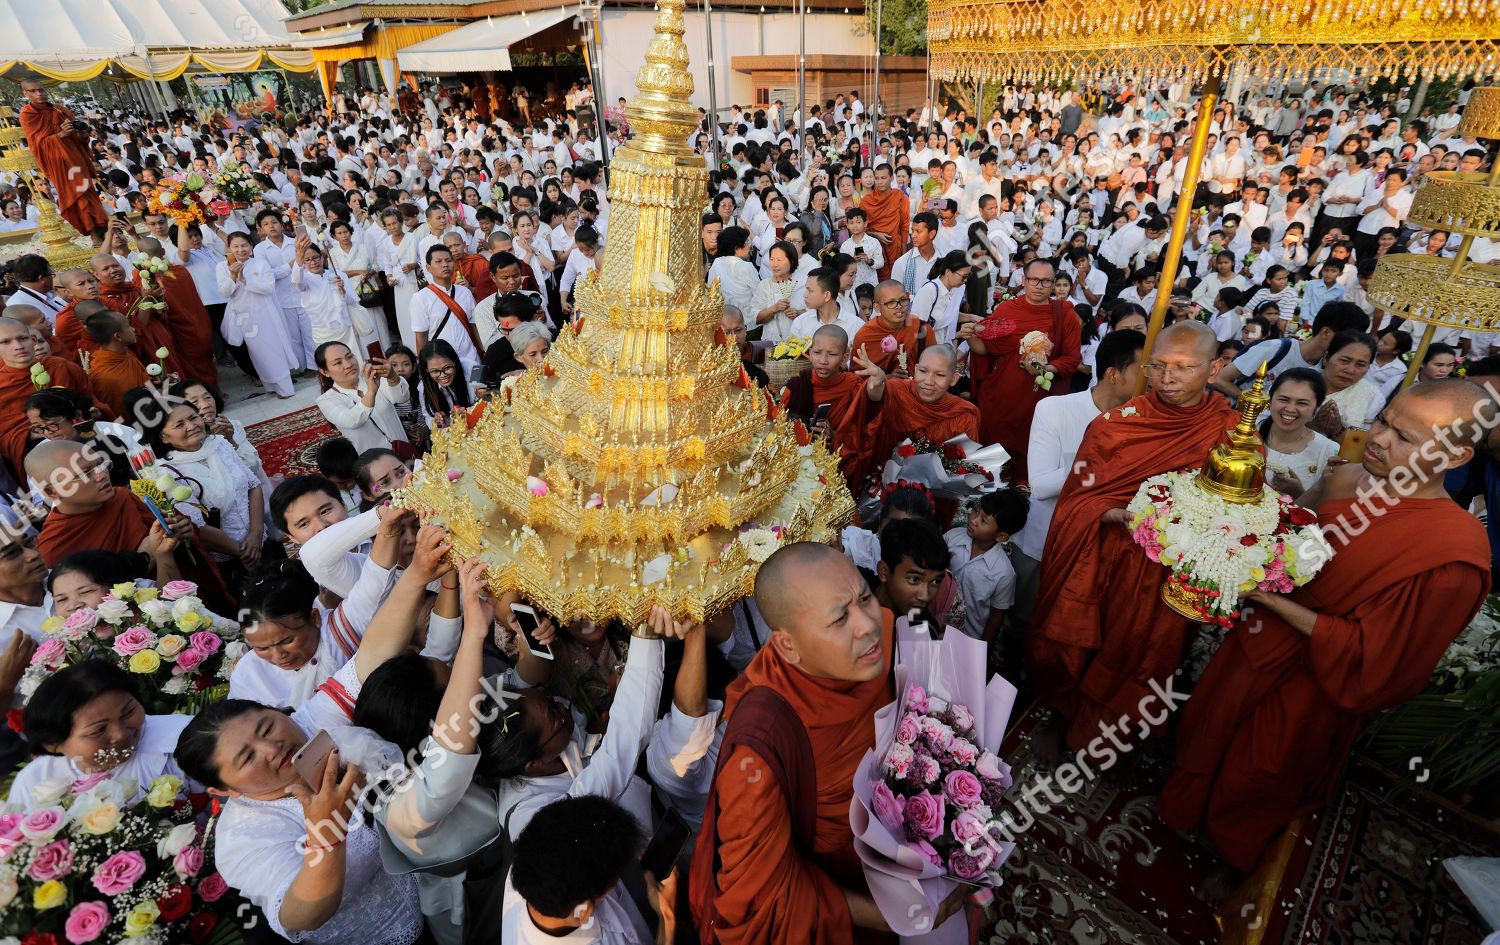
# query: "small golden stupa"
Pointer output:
{"type": "Point", "coordinates": [639, 464]}
{"type": "Point", "coordinates": [1236, 468]}
{"type": "Point", "coordinates": [55, 234]}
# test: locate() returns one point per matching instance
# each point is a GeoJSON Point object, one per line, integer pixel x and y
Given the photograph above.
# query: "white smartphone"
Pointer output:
{"type": "Point", "coordinates": [527, 618]}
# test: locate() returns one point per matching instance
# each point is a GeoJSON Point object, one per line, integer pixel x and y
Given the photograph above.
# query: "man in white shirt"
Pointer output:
{"type": "Point", "coordinates": [33, 275]}
{"type": "Point", "coordinates": [1381, 208]}
{"type": "Point", "coordinates": [1056, 433]}
{"type": "Point", "coordinates": [1344, 195]}
{"type": "Point", "coordinates": [988, 182]}
{"type": "Point", "coordinates": [445, 311]}
{"type": "Point", "coordinates": [822, 297]}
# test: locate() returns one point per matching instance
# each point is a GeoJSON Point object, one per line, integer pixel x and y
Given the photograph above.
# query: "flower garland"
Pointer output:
{"type": "Point", "coordinates": [184, 199]}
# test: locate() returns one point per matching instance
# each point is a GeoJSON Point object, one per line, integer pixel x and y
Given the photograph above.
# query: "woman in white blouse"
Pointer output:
{"type": "Point", "coordinates": [1296, 455]}
{"type": "Point", "coordinates": [937, 300]}
{"type": "Point", "coordinates": [398, 258]}
{"type": "Point", "coordinates": [350, 257]}
{"type": "Point", "coordinates": [354, 399]}
{"type": "Point", "coordinates": [772, 305]}
{"type": "Point", "coordinates": [1353, 400]}
{"type": "Point", "coordinates": [252, 316]}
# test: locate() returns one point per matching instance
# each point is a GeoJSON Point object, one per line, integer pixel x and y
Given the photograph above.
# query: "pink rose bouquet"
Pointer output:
{"type": "Point", "coordinates": [182, 653]}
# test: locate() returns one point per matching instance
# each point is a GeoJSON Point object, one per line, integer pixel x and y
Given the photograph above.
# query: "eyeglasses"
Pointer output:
{"type": "Point", "coordinates": [1172, 371]}
{"type": "Point", "coordinates": [1040, 282]}
{"type": "Point", "coordinates": [50, 428]}
{"type": "Point", "coordinates": [902, 302]}
{"type": "Point", "coordinates": [448, 371]}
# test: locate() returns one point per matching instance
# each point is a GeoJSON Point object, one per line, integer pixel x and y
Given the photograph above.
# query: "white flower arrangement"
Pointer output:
{"type": "Point", "coordinates": [1219, 550]}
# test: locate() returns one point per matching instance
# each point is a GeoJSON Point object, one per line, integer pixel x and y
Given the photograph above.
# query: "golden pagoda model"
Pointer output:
{"type": "Point", "coordinates": [638, 464]}
{"type": "Point", "coordinates": [1236, 468]}
{"type": "Point", "coordinates": [56, 235]}
{"type": "Point", "coordinates": [1450, 293]}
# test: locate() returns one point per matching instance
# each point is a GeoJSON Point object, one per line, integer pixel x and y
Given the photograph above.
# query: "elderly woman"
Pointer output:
{"type": "Point", "coordinates": [87, 719]}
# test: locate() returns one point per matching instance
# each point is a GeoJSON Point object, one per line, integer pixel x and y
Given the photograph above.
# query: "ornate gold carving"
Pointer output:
{"type": "Point", "coordinates": [620, 472]}
{"type": "Point", "coordinates": [1457, 203]}
{"type": "Point", "coordinates": [1424, 289]}
{"type": "Point", "coordinates": [1481, 117]}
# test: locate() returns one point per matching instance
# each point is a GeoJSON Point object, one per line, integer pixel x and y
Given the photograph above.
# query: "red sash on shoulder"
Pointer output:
{"type": "Point", "coordinates": [458, 312]}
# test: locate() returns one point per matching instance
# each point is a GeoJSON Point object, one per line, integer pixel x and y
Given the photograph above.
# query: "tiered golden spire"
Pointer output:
{"type": "Point", "coordinates": [55, 234]}
{"type": "Point", "coordinates": [638, 464]}
{"type": "Point", "coordinates": [1236, 466]}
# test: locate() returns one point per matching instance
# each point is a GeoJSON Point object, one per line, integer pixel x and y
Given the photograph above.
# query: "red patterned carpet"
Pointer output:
{"type": "Point", "coordinates": [1101, 869]}
{"type": "Point", "coordinates": [288, 445]}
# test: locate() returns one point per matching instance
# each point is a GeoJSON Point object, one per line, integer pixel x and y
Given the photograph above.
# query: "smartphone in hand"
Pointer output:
{"type": "Point", "coordinates": [821, 413]}
{"type": "Point", "coordinates": [528, 620]}
{"type": "Point", "coordinates": [310, 759]}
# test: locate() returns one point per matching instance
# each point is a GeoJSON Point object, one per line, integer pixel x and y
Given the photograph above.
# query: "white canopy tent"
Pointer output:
{"type": "Point", "coordinates": [481, 46]}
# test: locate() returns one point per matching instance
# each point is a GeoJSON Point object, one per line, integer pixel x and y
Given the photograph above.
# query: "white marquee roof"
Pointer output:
{"type": "Point", "coordinates": [73, 30]}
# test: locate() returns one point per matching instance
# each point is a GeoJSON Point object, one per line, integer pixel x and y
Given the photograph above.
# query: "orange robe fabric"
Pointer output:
{"type": "Point", "coordinates": [913, 337]}
{"type": "Point", "coordinates": [888, 213]}
{"type": "Point", "coordinates": [848, 417]}
{"type": "Point", "coordinates": [113, 373]}
{"type": "Point", "coordinates": [904, 414]}
{"type": "Point", "coordinates": [150, 333]}
{"type": "Point", "coordinates": [15, 387]}
{"type": "Point", "coordinates": [69, 336]}
{"type": "Point", "coordinates": [121, 524]}
{"type": "Point", "coordinates": [767, 894]}
{"type": "Point", "coordinates": [1006, 394]}
{"type": "Point", "coordinates": [1100, 633]}
{"type": "Point", "coordinates": [476, 273]}
{"type": "Point", "coordinates": [192, 329]}
{"type": "Point", "coordinates": [1266, 733]}
{"type": "Point", "coordinates": [68, 164]}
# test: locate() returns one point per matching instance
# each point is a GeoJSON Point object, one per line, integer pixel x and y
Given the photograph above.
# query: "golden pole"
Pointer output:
{"type": "Point", "coordinates": [1458, 264]}
{"type": "Point", "coordinates": [1183, 214]}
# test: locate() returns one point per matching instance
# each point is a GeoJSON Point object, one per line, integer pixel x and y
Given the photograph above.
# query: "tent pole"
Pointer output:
{"type": "Point", "coordinates": [713, 85]}
{"type": "Point", "coordinates": [875, 99]}
{"type": "Point", "coordinates": [802, 114]}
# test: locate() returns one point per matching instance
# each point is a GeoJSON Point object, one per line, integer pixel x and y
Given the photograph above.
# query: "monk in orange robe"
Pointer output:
{"type": "Point", "coordinates": [475, 269]}
{"type": "Point", "coordinates": [113, 369]}
{"type": "Point", "coordinates": [921, 406]}
{"type": "Point", "coordinates": [888, 218]}
{"type": "Point", "coordinates": [1100, 635]}
{"type": "Point", "coordinates": [826, 382]}
{"type": "Point", "coordinates": [17, 354]}
{"type": "Point", "coordinates": [124, 296]}
{"type": "Point", "coordinates": [68, 336]}
{"type": "Point", "coordinates": [775, 862]}
{"type": "Point", "coordinates": [893, 319]}
{"type": "Point", "coordinates": [192, 330]}
{"type": "Point", "coordinates": [88, 513]}
{"type": "Point", "coordinates": [61, 150]}
{"type": "Point", "coordinates": [1271, 722]}
{"type": "Point", "coordinates": [1005, 390]}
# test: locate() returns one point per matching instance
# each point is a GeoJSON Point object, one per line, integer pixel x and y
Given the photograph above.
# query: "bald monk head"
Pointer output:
{"type": "Point", "coordinates": [107, 269]}
{"type": "Point", "coordinates": [28, 315]}
{"type": "Point", "coordinates": [75, 285]}
{"type": "Point", "coordinates": [891, 312]}
{"type": "Point", "coordinates": [16, 347]}
{"type": "Point", "coordinates": [151, 246]}
{"type": "Point", "coordinates": [107, 327]}
{"type": "Point", "coordinates": [74, 476]}
{"type": "Point", "coordinates": [937, 371]}
{"type": "Point", "coordinates": [824, 620]}
{"type": "Point", "coordinates": [829, 352]}
{"type": "Point", "coordinates": [1425, 431]}
{"type": "Point", "coordinates": [1183, 363]}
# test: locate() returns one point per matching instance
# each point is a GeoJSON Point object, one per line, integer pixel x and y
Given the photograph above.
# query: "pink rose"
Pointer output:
{"type": "Point", "coordinates": [898, 762]}
{"type": "Point", "coordinates": [963, 789]}
{"type": "Point", "coordinates": [961, 717]}
{"type": "Point", "coordinates": [188, 861]}
{"type": "Point", "coordinates": [53, 861]}
{"type": "Point", "coordinates": [134, 640]}
{"type": "Point", "coordinates": [120, 872]}
{"type": "Point", "coordinates": [51, 654]}
{"type": "Point", "coordinates": [928, 853]}
{"type": "Point", "coordinates": [924, 815]}
{"type": "Point", "coordinates": [991, 768]}
{"type": "Point", "coordinates": [916, 699]}
{"type": "Point", "coordinates": [888, 344]}
{"type": "Point", "coordinates": [889, 808]}
{"type": "Point", "coordinates": [10, 834]}
{"type": "Point", "coordinates": [188, 660]}
{"type": "Point", "coordinates": [206, 642]}
{"type": "Point", "coordinates": [968, 828]}
{"type": "Point", "coordinates": [969, 867]}
{"type": "Point", "coordinates": [908, 730]}
{"type": "Point", "coordinates": [176, 590]}
{"type": "Point", "coordinates": [87, 782]}
{"type": "Point", "coordinates": [963, 751]}
{"type": "Point", "coordinates": [86, 922]}
{"type": "Point", "coordinates": [79, 623]}
{"type": "Point", "coordinates": [212, 888]}
{"type": "Point", "coordinates": [43, 823]}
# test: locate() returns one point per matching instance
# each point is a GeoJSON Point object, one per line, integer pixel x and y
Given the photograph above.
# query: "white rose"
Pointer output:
{"type": "Point", "coordinates": [175, 686]}
{"type": "Point", "coordinates": [176, 840]}
{"type": "Point", "coordinates": [50, 791]}
{"type": "Point", "coordinates": [8, 890]}
{"type": "Point", "coordinates": [186, 605]}
{"type": "Point", "coordinates": [113, 611]}
{"type": "Point", "coordinates": [158, 610]}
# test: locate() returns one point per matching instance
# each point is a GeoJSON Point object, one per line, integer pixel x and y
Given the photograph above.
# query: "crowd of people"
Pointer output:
{"type": "Point", "coordinates": [416, 254]}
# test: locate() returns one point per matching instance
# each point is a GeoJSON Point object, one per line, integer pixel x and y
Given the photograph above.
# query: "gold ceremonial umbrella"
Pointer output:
{"type": "Point", "coordinates": [1197, 42]}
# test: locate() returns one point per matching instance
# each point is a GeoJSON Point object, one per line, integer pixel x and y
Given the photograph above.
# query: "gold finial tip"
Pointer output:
{"type": "Point", "coordinates": [662, 115]}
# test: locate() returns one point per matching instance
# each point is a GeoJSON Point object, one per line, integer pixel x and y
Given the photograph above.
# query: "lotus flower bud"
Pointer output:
{"type": "Point", "coordinates": [165, 483]}
{"type": "Point", "coordinates": [182, 493]}
{"type": "Point", "coordinates": [161, 353]}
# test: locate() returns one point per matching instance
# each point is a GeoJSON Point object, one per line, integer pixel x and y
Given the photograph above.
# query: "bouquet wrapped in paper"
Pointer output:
{"type": "Point", "coordinates": [181, 653]}
{"type": "Point", "coordinates": [88, 866]}
{"type": "Point", "coordinates": [184, 199]}
{"type": "Point", "coordinates": [955, 469]}
{"type": "Point", "coordinates": [237, 185]}
{"type": "Point", "coordinates": [926, 795]}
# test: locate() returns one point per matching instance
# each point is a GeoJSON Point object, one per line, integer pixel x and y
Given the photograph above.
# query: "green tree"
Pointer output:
{"type": "Point", "coordinates": [903, 26]}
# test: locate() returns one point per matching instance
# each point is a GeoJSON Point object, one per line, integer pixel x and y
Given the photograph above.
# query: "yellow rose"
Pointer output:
{"type": "Point", "coordinates": [52, 894]}
{"type": "Point", "coordinates": [170, 645]}
{"type": "Point", "coordinates": [145, 662]}
{"type": "Point", "coordinates": [100, 820]}
{"type": "Point", "coordinates": [164, 791]}
{"type": "Point", "coordinates": [143, 594]}
{"type": "Point", "coordinates": [51, 625]}
{"type": "Point", "coordinates": [140, 919]}
{"type": "Point", "coordinates": [125, 590]}
{"type": "Point", "coordinates": [190, 622]}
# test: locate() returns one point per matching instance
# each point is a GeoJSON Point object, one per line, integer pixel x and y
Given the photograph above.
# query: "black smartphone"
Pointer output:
{"type": "Point", "coordinates": [821, 413]}
{"type": "Point", "coordinates": [666, 845]}
{"type": "Point", "coordinates": [528, 620]}
{"type": "Point", "coordinates": [476, 376]}
{"type": "Point", "coordinates": [375, 351]}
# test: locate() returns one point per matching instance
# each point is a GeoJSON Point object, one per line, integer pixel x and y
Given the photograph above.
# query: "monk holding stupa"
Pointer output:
{"type": "Point", "coordinates": [60, 144]}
